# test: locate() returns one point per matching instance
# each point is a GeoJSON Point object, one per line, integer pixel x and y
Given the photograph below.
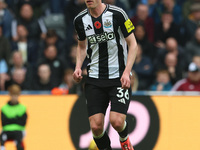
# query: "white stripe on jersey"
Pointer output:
{"type": "Point", "coordinates": [94, 65]}
{"type": "Point", "coordinates": [120, 10]}
{"type": "Point", "coordinates": [113, 63]}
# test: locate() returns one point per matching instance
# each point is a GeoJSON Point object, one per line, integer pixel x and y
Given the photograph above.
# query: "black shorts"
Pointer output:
{"type": "Point", "coordinates": [98, 98]}
{"type": "Point", "coordinates": [17, 136]}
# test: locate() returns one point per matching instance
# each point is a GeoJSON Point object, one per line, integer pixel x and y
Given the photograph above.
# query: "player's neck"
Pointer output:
{"type": "Point", "coordinates": [97, 11]}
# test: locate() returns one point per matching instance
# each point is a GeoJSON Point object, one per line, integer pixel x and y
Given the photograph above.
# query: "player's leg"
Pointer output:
{"type": "Point", "coordinates": [120, 99]}
{"type": "Point", "coordinates": [100, 136]}
{"type": "Point", "coordinates": [97, 103]}
{"type": "Point", "coordinates": [3, 139]}
{"type": "Point", "coordinates": [18, 139]}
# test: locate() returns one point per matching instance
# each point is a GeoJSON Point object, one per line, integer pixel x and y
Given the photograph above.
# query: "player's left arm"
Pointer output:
{"type": "Point", "coordinates": [132, 51]}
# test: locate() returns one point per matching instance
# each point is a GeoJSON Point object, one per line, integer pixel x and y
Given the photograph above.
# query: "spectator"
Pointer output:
{"type": "Point", "coordinates": [5, 53]}
{"type": "Point", "coordinates": [191, 82]}
{"type": "Point", "coordinates": [174, 69]}
{"type": "Point", "coordinates": [165, 29]}
{"type": "Point", "coordinates": [43, 81]}
{"type": "Point", "coordinates": [53, 39]}
{"type": "Point", "coordinates": [149, 49]}
{"type": "Point", "coordinates": [68, 81]}
{"type": "Point", "coordinates": [193, 46]}
{"type": "Point", "coordinates": [27, 47]}
{"type": "Point", "coordinates": [196, 60]}
{"type": "Point", "coordinates": [191, 23]}
{"type": "Point", "coordinates": [144, 69]}
{"type": "Point", "coordinates": [13, 119]}
{"type": "Point", "coordinates": [56, 64]}
{"type": "Point", "coordinates": [57, 6]}
{"type": "Point", "coordinates": [36, 27]}
{"type": "Point", "coordinates": [18, 77]}
{"type": "Point", "coordinates": [171, 46]}
{"type": "Point", "coordinates": [143, 18]}
{"type": "Point", "coordinates": [18, 63]}
{"type": "Point", "coordinates": [154, 10]}
{"type": "Point", "coordinates": [186, 7]}
{"type": "Point", "coordinates": [4, 77]}
{"type": "Point", "coordinates": [71, 10]}
{"type": "Point", "coordinates": [6, 18]}
{"type": "Point", "coordinates": [162, 82]}
{"type": "Point", "coordinates": [174, 9]}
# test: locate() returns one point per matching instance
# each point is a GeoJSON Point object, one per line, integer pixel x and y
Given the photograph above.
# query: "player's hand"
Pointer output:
{"type": "Point", "coordinates": [125, 80]}
{"type": "Point", "coordinates": [77, 75]}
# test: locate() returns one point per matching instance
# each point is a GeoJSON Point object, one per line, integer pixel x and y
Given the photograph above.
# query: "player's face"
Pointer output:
{"type": "Point", "coordinates": [92, 3]}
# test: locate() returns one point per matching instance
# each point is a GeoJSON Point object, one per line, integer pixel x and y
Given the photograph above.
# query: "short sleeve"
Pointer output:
{"type": "Point", "coordinates": [79, 28]}
{"type": "Point", "coordinates": [126, 25]}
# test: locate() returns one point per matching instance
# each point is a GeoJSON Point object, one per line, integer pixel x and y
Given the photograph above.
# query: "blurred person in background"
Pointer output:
{"type": "Point", "coordinates": [196, 60]}
{"type": "Point", "coordinates": [191, 23]}
{"type": "Point", "coordinates": [142, 17]}
{"type": "Point", "coordinates": [13, 119]}
{"type": "Point", "coordinates": [162, 82]}
{"type": "Point", "coordinates": [6, 18]}
{"type": "Point", "coordinates": [193, 46]}
{"type": "Point", "coordinates": [144, 69]}
{"type": "Point", "coordinates": [43, 81]}
{"type": "Point", "coordinates": [5, 53]}
{"type": "Point", "coordinates": [18, 63]}
{"type": "Point", "coordinates": [186, 5]}
{"type": "Point", "coordinates": [4, 77]}
{"type": "Point", "coordinates": [71, 10]}
{"type": "Point", "coordinates": [165, 29]}
{"type": "Point", "coordinates": [68, 81]}
{"type": "Point", "coordinates": [27, 47]}
{"type": "Point", "coordinates": [57, 66]}
{"type": "Point", "coordinates": [18, 77]}
{"type": "Point", "coordinates": [53, 39]}
{"type": "Point", "coordinates": [39, 7]}
{"type": "Point", "coordinates": [35, 26]}
{"type": "Point", "coordinates": [5, 49]}
{"type": "Point", "coordinates": [171, 46]}
{"type": "Point", "coordinates": [154, 10]}
{"type": "Point", "coordinates": [148, 48]}
{"type": "Point", "coordinates": [174, 69]}
{"type": "Point", "coordinates": [191, 82]}
{"type": "Point", "coordinates": [172, 7]}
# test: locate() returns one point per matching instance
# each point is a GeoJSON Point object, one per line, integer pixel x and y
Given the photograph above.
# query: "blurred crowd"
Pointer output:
{"type": "Point", "coordinates": [38, 44]}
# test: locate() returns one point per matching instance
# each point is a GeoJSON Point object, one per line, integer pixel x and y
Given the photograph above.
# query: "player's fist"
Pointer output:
{"type": "Point", "coordinates": [77, 75]}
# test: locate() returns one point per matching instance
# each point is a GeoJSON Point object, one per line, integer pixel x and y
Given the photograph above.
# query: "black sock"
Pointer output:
{"type": "Point", "coordinates": [103, 143]}
{"type": "Point", "coordinates": [124, 133]}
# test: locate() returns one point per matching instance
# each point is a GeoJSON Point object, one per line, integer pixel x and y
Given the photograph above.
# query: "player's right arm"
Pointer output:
{"type": "Point", "coordinates": [80, 57]}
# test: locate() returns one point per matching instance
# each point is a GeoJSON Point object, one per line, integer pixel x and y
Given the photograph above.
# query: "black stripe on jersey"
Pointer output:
{"type": "Point", "coordinates": [120, 48]}
{"type": "Point", "coordinates": [79, 27]}
{"type": "Point", "coordinates": [103, 52]}
{"type": "Point", "coordinates": [89, 53]}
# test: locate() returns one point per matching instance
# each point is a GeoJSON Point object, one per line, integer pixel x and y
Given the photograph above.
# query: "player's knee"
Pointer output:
{"type": "Point", "coordinates": [96, 126]}
{"type": "Point", "coordinates": [117, 123]}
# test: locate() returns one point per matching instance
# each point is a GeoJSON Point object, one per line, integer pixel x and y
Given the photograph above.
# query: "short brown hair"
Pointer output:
{"type": "Point", "coordinates": [14, 89]}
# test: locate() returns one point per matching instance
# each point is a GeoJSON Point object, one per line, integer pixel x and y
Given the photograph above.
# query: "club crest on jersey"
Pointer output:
{"type": "Point", "coordinates": [107, 24]}
{"type": "Point", "coordinates": [97, 25]}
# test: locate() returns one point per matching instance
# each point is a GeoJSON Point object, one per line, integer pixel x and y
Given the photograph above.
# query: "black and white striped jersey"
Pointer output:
{"type": "Point", "coordinates": [106, 48]}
